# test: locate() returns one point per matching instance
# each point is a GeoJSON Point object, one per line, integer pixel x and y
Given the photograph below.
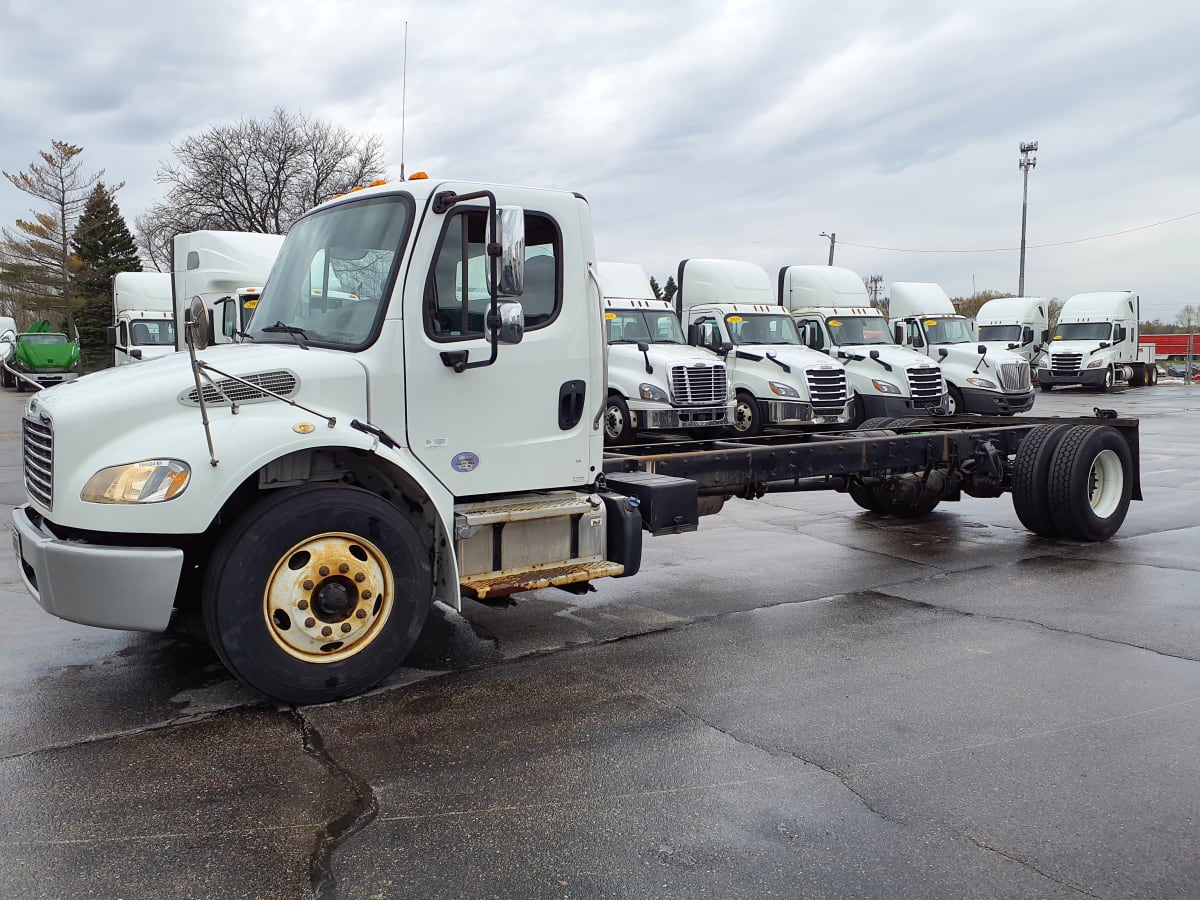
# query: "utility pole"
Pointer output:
{"type": "Point", "coordinates": [832, 244]}
{"type": "Point", "coordinates": [875, 288]}
{"type": "Point", "coordinates": [1026, 162]}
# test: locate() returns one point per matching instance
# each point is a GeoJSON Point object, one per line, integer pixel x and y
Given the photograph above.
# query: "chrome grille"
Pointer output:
{"type": "Point", "coordinates": [37, 440]}
{"type": "Point", "coordinates": [282, 382]}
{"type": "Point", "coordinates": [1014, 376]}
{"type": "Point", "coordinates": [697, 385]}
{"type": "Point", "coordinates": [925, 385]}
{"type": "Point", "coordinates": [827, 389]}
{"type": "Point", "coordinates": [1066, 363]}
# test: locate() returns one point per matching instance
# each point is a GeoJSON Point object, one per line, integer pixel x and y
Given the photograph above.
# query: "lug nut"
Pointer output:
{"type": "Point", "coordinates": [362, 614]}
{"type": "Point", "coordinates": [324, 570]}
{"type": "Point", "coordinates": [366, 595]}
{"type": "Point", "coordinates": [303, 604]}
{"type": "Point", "coordinates": [308, 585]}
{"type": "Point", "coordinates": [310, 622]}
{"type": "Point", "coordinates": [360, 577]}
{"type": "Point", "coordinates": [346, 627]}
{"type": "Point", "coordinates": [343, 568]}
{"type": "Point", "coordinates": [326, 631]}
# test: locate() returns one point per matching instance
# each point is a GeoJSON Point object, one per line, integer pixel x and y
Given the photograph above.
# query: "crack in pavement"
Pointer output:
{"type": "Point", "coordinates": [333, 833]}
{"type": "Point", "coordinates": [1028, 865]}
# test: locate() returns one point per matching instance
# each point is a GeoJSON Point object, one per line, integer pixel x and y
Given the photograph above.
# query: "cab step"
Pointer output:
{"type": "Point", "coordinates": [532, 578]}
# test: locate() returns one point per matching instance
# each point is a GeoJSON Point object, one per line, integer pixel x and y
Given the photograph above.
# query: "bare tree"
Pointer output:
{"type": "Point", "coordinates": [36, 258]}
{"type": "Point", "coordinates": [254, 176]}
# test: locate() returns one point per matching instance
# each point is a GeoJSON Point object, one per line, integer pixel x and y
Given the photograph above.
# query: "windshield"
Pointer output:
{"type": "Point", "coordinates": [1083, 331]}
{"type": "Point", "coordinates": [43, 338]}
{"type": "Point", "coordinates": [152, 333]}
{"type": "Point", "coordinates": [1000, 332]}
{"type": "Point", "coordinates": [333, 275]}
{"type": "Point", "coordinates": [628, 326]}
{"type": "Point", "coordinates": [949, 331]}
{"type": "Point", "coordinates": [762, 329]}
{"type": "Point", "coordinates": [851, 331]}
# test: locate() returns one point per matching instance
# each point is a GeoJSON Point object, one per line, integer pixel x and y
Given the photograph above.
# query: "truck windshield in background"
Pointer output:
{"type": "Point", "coordinates": [152, 333]}
{"type": "Point", "coordinates": [852, 331]}
{"type": "Point", "coordinates": [1083, 331]}
{"type": "Point", "coordinates": [1000, 333]}
{"type": "Point", "coordinates": [762, 329]}
{"type": "Point", "coordinates": [331, 282]}
{"type": "Point", "coordinates": [628, 326]}
{"type": "Point", "coordinates": [948, 331]}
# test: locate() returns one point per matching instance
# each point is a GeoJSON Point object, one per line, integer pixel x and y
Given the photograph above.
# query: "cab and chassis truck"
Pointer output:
{"type": "Point", "coordinates": [312, 490]}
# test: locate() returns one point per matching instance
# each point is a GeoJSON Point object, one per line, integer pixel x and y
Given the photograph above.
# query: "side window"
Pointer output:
{"type": "Point", "coordinates": [810, 334]}
{"type": "Point", "coordinates": [457, 297]}
{"type": "Point", "coordinates": [914, 335]}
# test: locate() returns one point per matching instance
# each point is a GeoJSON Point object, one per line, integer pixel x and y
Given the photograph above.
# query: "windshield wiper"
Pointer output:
{"type": "Point", "coordinates": [299, 335]}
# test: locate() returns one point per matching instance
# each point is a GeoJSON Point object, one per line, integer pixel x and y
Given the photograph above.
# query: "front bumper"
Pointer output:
{"type": "Point", "coordinates": [673, 418]}
{"type": "Point", "coordinates": [795, 412]}
{"type": "Point", "coordinates": [1089, 377]}
{"type": "Point", "coordinates": [877, 405]}
{"type": "Point", "coordinates": [991, 403]}
{"type": "Point", "coordinates": [130, 588]}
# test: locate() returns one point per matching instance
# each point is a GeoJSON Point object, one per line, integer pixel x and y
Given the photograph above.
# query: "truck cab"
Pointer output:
{"type": "Point", "coordinates": [1019, 324]}
{"type": "Point", "coordinates": [833, 315]}
{"type": "Point", "coordinates": [656, 380]}
{"type": "Point", "coordinates": [1096, 343]}
{"type": "Point", "coordinates": [978, 380]}
{"type": "Point", "coordinates": [143, 317]}
{"type": "Point", "coordinates": [777, 381]}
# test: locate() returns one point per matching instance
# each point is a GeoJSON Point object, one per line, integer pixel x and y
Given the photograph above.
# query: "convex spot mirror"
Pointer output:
{"type": "Point", "coordinates": [511, 322]}
{"type": "Point", "coordinates": [197, 324]}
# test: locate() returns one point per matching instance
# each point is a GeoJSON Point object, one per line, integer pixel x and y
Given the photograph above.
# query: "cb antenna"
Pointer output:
{"type": "Point", "coordinates": [403, 91]}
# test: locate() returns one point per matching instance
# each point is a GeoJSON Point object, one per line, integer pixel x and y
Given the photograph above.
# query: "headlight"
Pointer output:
{"type": "Point", "coordinates": [653, 392]}
{"type": "Point", "coordinates": [885, 387]}
{"type": "Point", "coordinates": [1095, 364]}
{"type": "Point", "coordinates": [148, 481]}
{"type": "Point", "coordinates": [783, 390]}
{"type": "Point", "coordinates": [982, 382]}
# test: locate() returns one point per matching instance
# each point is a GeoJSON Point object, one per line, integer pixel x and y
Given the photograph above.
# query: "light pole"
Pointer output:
{"type": "Point", "coordinates": [832, 244]}
{"type": "Point", "coordinates": [1026, 162]}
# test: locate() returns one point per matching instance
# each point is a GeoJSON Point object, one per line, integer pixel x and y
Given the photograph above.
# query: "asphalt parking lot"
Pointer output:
{"type": "Point", "coordinates": [801, 699]}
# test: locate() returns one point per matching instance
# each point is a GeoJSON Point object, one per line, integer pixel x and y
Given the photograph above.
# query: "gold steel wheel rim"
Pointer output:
{"type": "Point", "coordinates": [328, 597]}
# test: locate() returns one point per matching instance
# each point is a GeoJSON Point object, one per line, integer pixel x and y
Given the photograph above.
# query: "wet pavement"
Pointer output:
{"type": "Point", "coordinates": [801, 699]}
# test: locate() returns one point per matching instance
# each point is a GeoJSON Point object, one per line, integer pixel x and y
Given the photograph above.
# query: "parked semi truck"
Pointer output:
{"type": "Point", "coordinates": [729, 308]}
{"type": "Point", "coordinates": [41, 357]}
{"type": "Point", "coordinates": [312, 490]}
{"type": "Point", "coordinates": [227, 270]}
{"type": "Point", "coordinates": [143, 317]}
{"type": "Point", "coordinates": [978, 379]}
{"type": "Point", "coordinates": [834, 315]}
{"type": "Point", "coordinates": [656, 381]}
{"type": "Point", "coordinates": [1096, 344]}
{"type": "Point", "coordinates": [1019, 324]}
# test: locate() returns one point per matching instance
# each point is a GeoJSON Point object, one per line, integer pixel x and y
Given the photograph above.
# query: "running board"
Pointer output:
{"type": "Point", "coordinates": [531, 578]}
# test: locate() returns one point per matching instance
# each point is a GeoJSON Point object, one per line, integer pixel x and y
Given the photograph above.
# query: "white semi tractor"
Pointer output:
{"type": "Point", "coordinates": [729, 307]}
{"type": "Point", "coordinates": [1019, 324]}
{"type": "Point", "coordinates": [312, 490]}
{"type": "Point", "coordinates": [656, 380]}
{"type": "Point", "coordinates": [834, 315]}
{"type": "Point", "coordinates": [143, 317]}
{"type": "Point", "coordinates": [227, 270]}
{"type": "Point", "coordinates": [1096, 344]}
{"type": "Point", "coordinates": [978, 379]}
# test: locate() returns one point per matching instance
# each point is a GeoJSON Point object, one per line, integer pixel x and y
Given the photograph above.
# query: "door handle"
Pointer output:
{"type": "Point", "coordinates": [571, 403]}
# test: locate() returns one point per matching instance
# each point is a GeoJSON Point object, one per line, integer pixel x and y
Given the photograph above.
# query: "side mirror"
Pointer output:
{"type": "Point", "coordinates": [709, 336]}
{"type": "Point", "coordinates": [1027, 335]}
{"type": "Point", "coordinates": [643, 347]}
{"type": "Point", "coordinates": [874, 354]}
{"type": "Point", "coordinates": [111, 331]}
{"type": "Point", "coordinates": [510, 220]}
{"type": "Point", "coordinates": [943, 352]}
{"type": "Point", "coordinates": [725, 349]}
{"type": "Point", "coordinates": [1046, 336]}
{"type": "Point", "coordinates": [898, 332]}
{"type": "Point", "coordinates": [228, 315]}
{"type": "Point", "coordinates": [135, 353]}
{"type": "Point", "coordinates": [982, 349]}
{"type": "Point", "coordinates": [511, 325]}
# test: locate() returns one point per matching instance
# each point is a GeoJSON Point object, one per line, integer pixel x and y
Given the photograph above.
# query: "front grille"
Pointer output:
{"type": "Point", "coordinates": [1014, 376]}
{"type": "Point", "coordinates": [282, 382]}
{"type": "Point", "coordinates": [37, 440]}
{"type": "Point", "coordinates": [698, 385]}
{"type": "Point", "coordinates": [827, 389]}
{"type": "Point", "coordinates": [925, 385]}
{"type": "Point", "coordinates": [1066, 363]}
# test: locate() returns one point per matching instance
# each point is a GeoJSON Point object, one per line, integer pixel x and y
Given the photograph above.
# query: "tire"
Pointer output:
{"type": "Point", "coordinates": [858, 413]}
{"type": "Point", "coordinates": [865, 496]}
{"type": "Point", "coordinates": [1090, 482]}
{"type": "Point", "coordinates": [879, 423]}
{"type": "Point", "coordinates": [954, 400]}
{"type": "Point", "coordinates": [6, 379]}
{"type": "Point", "coordinates": [260, 582]}
{"type": "Point", "coordinates": [1045, 388]}
{"type": "Point", "coordinates": [1031, 469]}
{"type": "Point", "coordinates": [22, 385]}
{"type": "Point", "coordinates": [747, 416]}
{"type": "Point", "coordinates": [1153, 373]}
{"type": "Point", "coordinates": [618, 427]}
{"type": "Point", "coordinates": [1110, 379]}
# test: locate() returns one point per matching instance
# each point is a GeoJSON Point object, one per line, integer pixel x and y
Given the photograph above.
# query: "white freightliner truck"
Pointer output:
{"type": "Point", "coordinates": [143, 317]}
{"type": "Point", "coordinates": [729, 308]}
{"type": "Point", "coordinates": [313, 489]}
{"type": "Point", "coordinates": [1019, 324]}
{"type": "Point", "coordinates": [1096, 343]}
{"type": "Point", "coordinates": [834, 315]}
{"type": "Point", "coordinates": [226, 269]}
{"type": "Point", "coordinates": [656, 381]}
{"type": "Point", "coordinates": [978, 380]}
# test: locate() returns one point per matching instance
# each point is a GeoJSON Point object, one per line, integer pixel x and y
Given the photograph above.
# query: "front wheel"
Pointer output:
{"type": "Point", "coordinates": [618, 428]}
{"type": "Point", "coordinates": [1110, 379]}
{"type": "Point", "coordinates": [747, 417]}
{"type": "Point", "coordinates": [954, 401]}
{"type": "Point", "coordinates": [317, 593]}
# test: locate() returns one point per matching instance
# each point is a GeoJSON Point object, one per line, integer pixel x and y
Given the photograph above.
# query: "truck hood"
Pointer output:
{"type": "Point", "coordinates": [892, 354]}
{"type": "Point", "coordinates": [47, 357]}
{"type": "Point", "coordinates": [661, 355]}
{"type": "Point", "coordinates": [1085, 348]}
{"type": "Point", "coordinates": [961, 356]}
{"type": "Point", "coordinates": [793, 355]}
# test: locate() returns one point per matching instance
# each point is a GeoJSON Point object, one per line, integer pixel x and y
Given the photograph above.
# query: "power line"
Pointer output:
{"type": "Point", "coordinates": [1095, 237]}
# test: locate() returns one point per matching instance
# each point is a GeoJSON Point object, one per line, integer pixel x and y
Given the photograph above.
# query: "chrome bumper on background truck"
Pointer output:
{"type": "Point", "coordinates": [130, 588]}
{"type": "Point", "coordinates": [682, 417]}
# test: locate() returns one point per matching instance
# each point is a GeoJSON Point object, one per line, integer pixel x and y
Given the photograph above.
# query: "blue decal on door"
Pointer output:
{"type": "Point", "coordinates": [465, 462]}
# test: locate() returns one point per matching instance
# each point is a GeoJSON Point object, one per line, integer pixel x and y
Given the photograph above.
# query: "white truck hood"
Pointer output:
{"type": "Point", "coordinates": [892, 354]}
{"type": "Point", "coordinates": [661, 355]}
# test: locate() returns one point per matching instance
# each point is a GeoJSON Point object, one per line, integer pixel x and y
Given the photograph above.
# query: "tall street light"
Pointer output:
{"type": "Point", "coordinates": [832, 244]}
{"type": "Point", "coordinates": [1026, 162]}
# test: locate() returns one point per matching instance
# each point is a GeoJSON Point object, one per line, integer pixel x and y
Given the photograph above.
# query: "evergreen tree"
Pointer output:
{"type": "Point", "coordinates": [669, 289]}
{"type": "Point", "coordinates": [102, 246]}
{"type": "Point", "coordinates": [655, 288]}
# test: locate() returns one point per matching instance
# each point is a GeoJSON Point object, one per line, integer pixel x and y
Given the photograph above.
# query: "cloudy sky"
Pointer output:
{"type": "Point", "coordinates": [738, 129]}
